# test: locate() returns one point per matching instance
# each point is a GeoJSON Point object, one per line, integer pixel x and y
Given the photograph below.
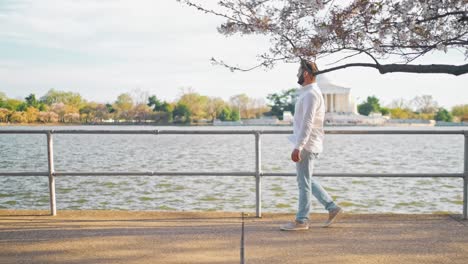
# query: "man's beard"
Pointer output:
{"type": "Point", "coordinates": [301, 80]}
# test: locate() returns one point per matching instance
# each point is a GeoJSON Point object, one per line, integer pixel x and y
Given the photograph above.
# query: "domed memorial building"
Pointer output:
{"type": "Point", "coordinates": [337, 98]}
{"type": "Point", "coordinates": [341, 108]}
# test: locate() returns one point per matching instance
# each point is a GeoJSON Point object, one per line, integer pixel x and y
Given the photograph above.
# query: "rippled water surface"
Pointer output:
{"type": "Point", "coordinates": [224, 153]}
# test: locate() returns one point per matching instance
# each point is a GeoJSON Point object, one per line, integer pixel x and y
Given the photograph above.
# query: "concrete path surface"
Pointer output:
{"type": "Point", "coordinates": [211, 237]}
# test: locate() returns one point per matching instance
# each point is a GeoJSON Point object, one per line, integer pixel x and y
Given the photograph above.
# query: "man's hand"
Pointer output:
{"type": "Point", "coordinates": [296, 155]}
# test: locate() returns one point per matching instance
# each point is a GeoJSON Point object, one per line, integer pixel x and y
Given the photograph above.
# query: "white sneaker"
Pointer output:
{"type": "Point", "coordinates": [332, 216]}
{"type": "Point", "coordinates": [295, 226]}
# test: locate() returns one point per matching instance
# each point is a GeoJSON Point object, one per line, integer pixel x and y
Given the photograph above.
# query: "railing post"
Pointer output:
{"type": "Point", "coordinates": [465, 178]}
{"type": "Point", "coordinates": [50, 156]}
{"type": "Point", "coordinates": [258, 179]}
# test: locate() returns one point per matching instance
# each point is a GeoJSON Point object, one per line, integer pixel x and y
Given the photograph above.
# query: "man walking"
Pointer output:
{"type": "Point", "coordinates": [308, 137]}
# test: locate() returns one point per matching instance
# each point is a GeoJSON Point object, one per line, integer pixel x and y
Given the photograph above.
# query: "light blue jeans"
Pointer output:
{"type": "Point", "coordinates": [307, 185]}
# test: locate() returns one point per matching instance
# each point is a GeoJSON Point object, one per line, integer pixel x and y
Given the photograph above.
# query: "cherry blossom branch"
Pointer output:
{"type": "Point", "coordinates": [388, 68]}
{"type": "Point", "coordinates": [463, 13]}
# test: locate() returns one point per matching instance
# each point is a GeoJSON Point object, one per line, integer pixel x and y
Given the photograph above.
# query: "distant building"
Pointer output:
{"type": "Point", "coordinates": [287, 116]}
{"type": "Point", "coordinates": [337, 98]}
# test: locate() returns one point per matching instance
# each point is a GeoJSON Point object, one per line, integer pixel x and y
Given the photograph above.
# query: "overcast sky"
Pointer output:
{"type": "Point", "coordinates": [103, 48]}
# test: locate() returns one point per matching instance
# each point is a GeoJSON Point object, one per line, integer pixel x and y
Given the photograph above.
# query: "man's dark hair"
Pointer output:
{"type": "Point", "coordinates": [309, 66]}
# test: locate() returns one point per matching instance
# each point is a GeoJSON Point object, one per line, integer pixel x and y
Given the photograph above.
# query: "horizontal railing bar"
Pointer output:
{"type": "Point", "coordinates": [126, 132]}
{"type": "Point", "coordinates": [273, 132]}
{"type": "Point", "coordinates": [266, 174]}
{"type": "Point", "coordinates": [81, 131]}
{"type": "Point", "coordinates": [400, 132]}
{"type": "Point", "coordinates": [150, 173]}
{"type": "Point", "coordinates": [207, 132]}
{"type": "Point", "coordinates": [374, 175]}
{"type": "Point", "coordinates": [26, 173]}
{"type": "Point", "coordinates": [378, 132]}
{"type": "Point", "coordinates": [24, 131]}
{"type": "Point", "coordinates": [238, 132]}
{"type": "Point", "coordinates": [397, 132]}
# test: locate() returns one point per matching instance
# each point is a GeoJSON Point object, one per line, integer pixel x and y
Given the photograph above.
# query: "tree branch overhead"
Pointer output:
{"type": "Point", "coordinates": [312, 29]}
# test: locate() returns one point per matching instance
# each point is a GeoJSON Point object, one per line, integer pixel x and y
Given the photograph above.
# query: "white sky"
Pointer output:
{"type": "Point", "coordinates": [103, 48]}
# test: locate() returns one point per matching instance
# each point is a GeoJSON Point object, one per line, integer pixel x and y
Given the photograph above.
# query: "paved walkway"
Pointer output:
{"type": "Point", "coordinates": [156, 237]}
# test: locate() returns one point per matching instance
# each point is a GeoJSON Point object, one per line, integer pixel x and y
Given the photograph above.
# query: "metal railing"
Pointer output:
{"type": "Point", "coordinates": [258, 174]}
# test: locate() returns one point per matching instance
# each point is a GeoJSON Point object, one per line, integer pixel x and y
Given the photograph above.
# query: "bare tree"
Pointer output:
{"type": "Point", "coordinates": [240, 103]}
{"type": "Point", "coordinates": [380, 29]}
{"type": "Point", "coordinates": [139, 96]}
{"type": "Point", "coordinates": [425, 104]}
{"type": "Point", "coordinates": [400, 103]}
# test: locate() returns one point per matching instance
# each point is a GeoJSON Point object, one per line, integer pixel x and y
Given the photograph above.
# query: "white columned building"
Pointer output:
{"type": "Point", "coordinates": [337, 98]}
